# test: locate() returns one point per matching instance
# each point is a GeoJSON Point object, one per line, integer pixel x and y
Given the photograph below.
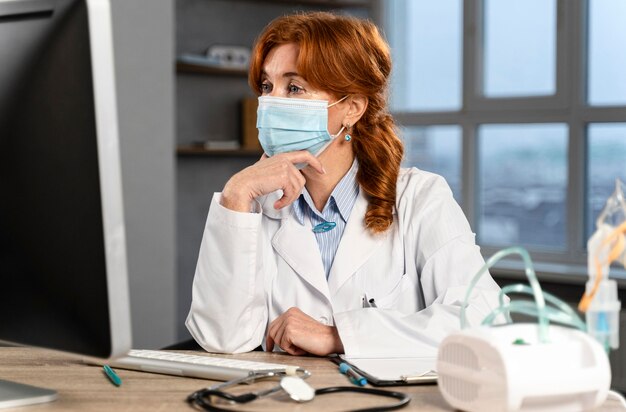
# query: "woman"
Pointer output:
{"type": "Point", "coordinates": [325, 245]}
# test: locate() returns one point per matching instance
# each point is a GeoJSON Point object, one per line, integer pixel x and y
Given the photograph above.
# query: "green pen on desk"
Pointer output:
{"type": "Point", "coordinates": [117, 381]}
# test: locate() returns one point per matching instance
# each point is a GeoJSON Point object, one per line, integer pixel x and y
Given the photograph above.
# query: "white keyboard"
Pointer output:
{"type": "Point", "coordinates": [197, 366]}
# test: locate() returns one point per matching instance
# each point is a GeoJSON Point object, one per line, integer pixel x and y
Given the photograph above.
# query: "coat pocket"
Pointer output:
{"type": "Point", "coordinates": [402, 296]}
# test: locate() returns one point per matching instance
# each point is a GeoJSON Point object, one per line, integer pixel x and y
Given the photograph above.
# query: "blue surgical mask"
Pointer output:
{"type": "Point", "coordinates": [289, 124]}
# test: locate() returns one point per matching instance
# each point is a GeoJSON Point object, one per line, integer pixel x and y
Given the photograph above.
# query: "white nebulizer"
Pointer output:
{"type": "Point", "coordinates": [541, 366]}
{"type": "Point", "coordinates": [607, 245]}
{"type": "Point", "coordinates": [523, 367]}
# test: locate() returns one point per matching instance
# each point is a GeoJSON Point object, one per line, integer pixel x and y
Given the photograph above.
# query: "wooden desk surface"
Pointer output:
{"type": "Point", "coordinates": [83, 387]}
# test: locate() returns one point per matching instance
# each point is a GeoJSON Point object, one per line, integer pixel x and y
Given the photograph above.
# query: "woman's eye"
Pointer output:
{"type": "Point", "coordinates": [265, 88]}
{"type": "Point", "coordinates": [293, 89]}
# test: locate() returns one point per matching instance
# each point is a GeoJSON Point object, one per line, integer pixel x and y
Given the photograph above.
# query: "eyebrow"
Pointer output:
{"type": "Point", "coordinates": [288, 74]}
{"type": "Point", "coordinates": [291, 74]}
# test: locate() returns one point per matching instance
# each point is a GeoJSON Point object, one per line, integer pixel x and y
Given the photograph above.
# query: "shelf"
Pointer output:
{"type": "Point", "coordinates": [201, 151]}
{"type": "Point", "coordinates": [200, 69]}
{"type": "Point", "coordinates": [323, 3]}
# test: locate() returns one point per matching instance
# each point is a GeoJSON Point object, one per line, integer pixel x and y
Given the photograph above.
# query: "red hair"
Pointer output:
{"type": "Point", "coordinates": [342, 56]}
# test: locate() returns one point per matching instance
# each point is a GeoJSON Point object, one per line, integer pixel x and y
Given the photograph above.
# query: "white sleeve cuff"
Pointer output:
{"type": "Point", "coordinates": [242, 220]}
{"type": "Point", "coordinates": [347, 333]}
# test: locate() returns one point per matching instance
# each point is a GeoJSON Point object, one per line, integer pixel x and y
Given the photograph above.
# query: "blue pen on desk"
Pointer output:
{"type": "Point", "coordinates": [112, 375]}
{"type": "Point", "coordinates": [352, 374]}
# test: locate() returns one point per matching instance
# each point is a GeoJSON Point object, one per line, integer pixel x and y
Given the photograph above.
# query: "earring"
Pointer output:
{"type": "Point", "coordinates": [348, 137]}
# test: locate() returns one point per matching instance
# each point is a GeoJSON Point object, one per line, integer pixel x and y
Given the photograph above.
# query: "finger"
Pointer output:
{"type": "Point", "coordinates": [293, 189]}
{"type": "Point", "coordinates": [294, 350]}
{"type": "Point", "coordinates": [283, 201]}
{"type": "Point", "coordinates": [269, 344]}
{"type": "Point", "coordinates": [285, 334]}
{"type": "Point", "coordinates": [289, 335]}
{"type": "Point", "coordinates": [274, 325]}
{"type": "Point", "coordinates": [302, 156]}
{"type": "Point", "coordinates": [301, 180]}
{"type": "Point", "coordinates": [278, 338]}
{"type": "Point", "coordinates": [291, 192]}
{"type": "Point", "coordinates": [299, 352]}
{"type": "Point", "coordinates": [272, 330]}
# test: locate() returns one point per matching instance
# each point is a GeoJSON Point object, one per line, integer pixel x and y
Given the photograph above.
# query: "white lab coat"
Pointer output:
{"type": "Point", "coordinates": [252, 267]}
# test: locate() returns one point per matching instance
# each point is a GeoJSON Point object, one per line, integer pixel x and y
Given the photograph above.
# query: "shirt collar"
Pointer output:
{"type": "Point", "coordinates": [344, 196]}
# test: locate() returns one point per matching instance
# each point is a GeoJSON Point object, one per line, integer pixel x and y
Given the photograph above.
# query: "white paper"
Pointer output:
{"type": "Point", "coordinates": [393, 369]}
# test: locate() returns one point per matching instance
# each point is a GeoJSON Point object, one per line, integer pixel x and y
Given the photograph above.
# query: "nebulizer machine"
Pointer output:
{"type": "Point", "coordinates": [559, 363]}
{"type": "Point", "coordinates": [606, 245]}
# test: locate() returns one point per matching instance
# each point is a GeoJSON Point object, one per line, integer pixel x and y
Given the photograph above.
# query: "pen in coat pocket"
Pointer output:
{"type": "Point", "coordinates": [368, 303]}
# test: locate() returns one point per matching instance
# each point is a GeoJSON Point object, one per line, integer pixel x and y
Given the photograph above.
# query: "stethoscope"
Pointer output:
{"type": "Point", "coordinates": [292, 384]}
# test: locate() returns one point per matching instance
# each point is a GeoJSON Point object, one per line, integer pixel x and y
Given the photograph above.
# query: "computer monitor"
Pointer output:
{"type": "Point", "coordinates": [63, 271]}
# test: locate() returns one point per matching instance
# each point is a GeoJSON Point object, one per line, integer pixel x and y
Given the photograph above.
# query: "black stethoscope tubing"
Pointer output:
{"type": "Point", "coordinates": [202, 398]}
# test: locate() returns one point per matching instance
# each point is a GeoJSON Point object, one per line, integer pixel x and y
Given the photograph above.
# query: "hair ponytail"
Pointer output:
{"type": "Point", "coordinates": [379, 153]}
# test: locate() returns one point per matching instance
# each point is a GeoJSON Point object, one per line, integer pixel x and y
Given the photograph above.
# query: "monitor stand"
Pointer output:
{"type": "Point", "coordinates": [13, 394]}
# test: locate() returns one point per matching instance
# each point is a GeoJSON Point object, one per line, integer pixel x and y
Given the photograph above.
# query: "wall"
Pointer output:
{"type": "Point", "coordinates": [208, 109]}
{"type": "Point", "coordinates": [144, 49]}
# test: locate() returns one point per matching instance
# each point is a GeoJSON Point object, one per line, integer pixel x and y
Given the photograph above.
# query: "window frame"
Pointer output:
{"type": "Point", "coordinates": [568, 106]}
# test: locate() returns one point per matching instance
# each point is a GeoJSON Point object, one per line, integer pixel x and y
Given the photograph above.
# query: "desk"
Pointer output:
{"type": "Point", "coordinates": [83, 387]}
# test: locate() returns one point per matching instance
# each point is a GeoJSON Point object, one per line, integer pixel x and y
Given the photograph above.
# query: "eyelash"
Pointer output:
{"type": "Point", "coordinates": [298, 89]}
{"type": "Point", "coordinates": [265, 87]}
{"type": "Point", "coordinates": [292, 88]}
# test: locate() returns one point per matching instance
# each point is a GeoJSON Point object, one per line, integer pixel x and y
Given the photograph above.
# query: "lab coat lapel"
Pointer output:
{"type": "Point", "coordinates": [356, 247]}
{"type": "Point", "coordinates": [296, 244]}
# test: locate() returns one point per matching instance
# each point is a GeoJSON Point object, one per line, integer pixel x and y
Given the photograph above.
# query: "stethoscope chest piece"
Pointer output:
{"type": "Point", "coordinates": [297, 389]}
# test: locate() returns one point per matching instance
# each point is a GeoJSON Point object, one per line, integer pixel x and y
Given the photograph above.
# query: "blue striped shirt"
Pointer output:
{"type": "Point", "coordinates": [337, 209]}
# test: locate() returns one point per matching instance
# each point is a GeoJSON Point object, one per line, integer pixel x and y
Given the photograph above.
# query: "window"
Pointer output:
{"type": "Point", "coordinates": [607, 161]}
{"type": "Point", "coordinates": [521, 106]}
{"type": "Point", "coordinates": [523, 184]}
{"type": "Point", "coordinates": [520, 44]}
{"type": "Point", "coordinates": [435, 149]}
{"type": "Point", "coordinates": [606, 59]}
{"type": "Point", "coordinates": [427, 54]}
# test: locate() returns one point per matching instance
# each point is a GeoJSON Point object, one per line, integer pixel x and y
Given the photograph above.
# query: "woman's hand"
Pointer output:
{"type": "Point", "coordinates": [297, 334]}
{"type": "Point", "coordinates": [266, 176]}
